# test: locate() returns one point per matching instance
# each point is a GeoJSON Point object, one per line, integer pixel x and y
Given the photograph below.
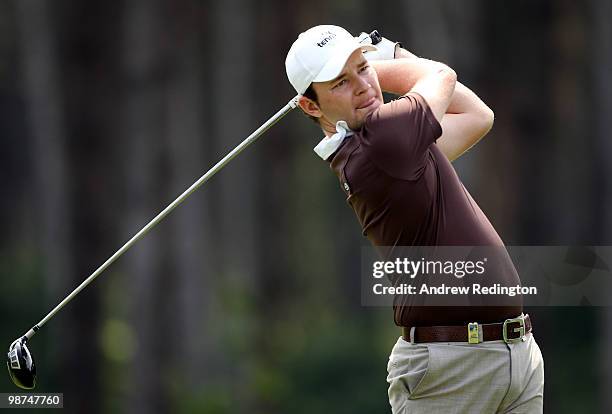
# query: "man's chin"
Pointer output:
{"type": "Point", "coordinates": [371, 106]}
{"type": "Point", "coordinates": [363, 113]}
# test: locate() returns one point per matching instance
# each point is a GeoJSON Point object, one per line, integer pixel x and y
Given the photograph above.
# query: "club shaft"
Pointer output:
{"type": "Point", "coordinates": [218, 166]}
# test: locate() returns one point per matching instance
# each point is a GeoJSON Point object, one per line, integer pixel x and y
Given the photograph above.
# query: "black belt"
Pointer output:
{"type": "Point", "coordinates": [511, 330]}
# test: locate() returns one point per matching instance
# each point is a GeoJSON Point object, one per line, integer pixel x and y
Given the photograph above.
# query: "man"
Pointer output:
{"type": "Point", "coordinates": [393, 163]}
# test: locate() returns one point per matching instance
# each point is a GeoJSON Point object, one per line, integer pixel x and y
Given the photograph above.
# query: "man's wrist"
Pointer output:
{"type": "Point", "coordinates": [400, 52]}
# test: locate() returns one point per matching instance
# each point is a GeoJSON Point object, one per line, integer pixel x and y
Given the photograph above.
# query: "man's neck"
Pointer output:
{"type": "Point", "coordinates": [328, 128]}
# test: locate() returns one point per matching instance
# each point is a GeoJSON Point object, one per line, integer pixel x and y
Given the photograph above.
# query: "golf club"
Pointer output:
{"type": "Point", "coordinates": [20, 362]}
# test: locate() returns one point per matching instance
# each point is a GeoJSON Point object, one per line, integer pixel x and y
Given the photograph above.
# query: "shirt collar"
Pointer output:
{"type": "Point", "coordinates": [329, 145]}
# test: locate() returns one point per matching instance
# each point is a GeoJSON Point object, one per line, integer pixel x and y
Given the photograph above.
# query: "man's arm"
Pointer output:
{"type": "Point", "coordinates": [466, 119]}
{"type": "Point", "coordinates": [434, 81]}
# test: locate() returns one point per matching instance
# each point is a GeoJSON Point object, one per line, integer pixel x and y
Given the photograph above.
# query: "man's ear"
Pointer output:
{"type": "Point", "coordinates": [309, 107]}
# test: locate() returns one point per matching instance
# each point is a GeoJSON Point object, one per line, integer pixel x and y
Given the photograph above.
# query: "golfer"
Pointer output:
{"type": "Point", "coordinates": [393, 161]}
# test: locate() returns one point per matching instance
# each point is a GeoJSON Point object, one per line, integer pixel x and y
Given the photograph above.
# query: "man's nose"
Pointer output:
{"type": "Point", "coordinates": [362, 85]}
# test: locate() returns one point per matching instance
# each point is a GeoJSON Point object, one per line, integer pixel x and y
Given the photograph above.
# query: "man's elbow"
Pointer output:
{"type": "Point", "coordinates": [486, 120]}
{"type": "Point", "coordinates": [448, 75]}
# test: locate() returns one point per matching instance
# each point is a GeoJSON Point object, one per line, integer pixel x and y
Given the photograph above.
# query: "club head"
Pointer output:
{"type": "Point", "coordinates": [21, 365]}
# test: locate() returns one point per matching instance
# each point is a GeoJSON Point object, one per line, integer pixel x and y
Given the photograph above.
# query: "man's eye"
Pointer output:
{"type": "Point", "coordinates": [363, 69]}
{"type": "Point", "coordinates": [342, 82]}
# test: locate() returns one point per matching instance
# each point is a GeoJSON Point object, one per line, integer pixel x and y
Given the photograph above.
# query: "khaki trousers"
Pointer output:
{"type": "Point", "coordinates": [456, 377]}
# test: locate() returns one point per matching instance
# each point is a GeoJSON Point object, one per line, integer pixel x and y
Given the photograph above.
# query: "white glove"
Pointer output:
{"type": "Point", "coordinates": [386, 48]}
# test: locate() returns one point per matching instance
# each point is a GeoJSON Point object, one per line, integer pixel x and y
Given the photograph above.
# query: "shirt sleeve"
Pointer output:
{"type": "Point", "coordinates": [397, 135]}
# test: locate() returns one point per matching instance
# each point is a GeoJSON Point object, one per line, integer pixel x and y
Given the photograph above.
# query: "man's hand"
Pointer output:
{"type": "Point", "coordinates": [386, 48]}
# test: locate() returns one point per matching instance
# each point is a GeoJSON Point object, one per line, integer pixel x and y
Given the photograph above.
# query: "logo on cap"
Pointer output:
{"type": "Point", "coordinates": [327, 38]}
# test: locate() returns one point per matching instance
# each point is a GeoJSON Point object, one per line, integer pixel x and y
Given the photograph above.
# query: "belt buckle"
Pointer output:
{"type": "Point", "coordinates": [474, 334]}
{"type": "Point", "coordinates": [521, 329]}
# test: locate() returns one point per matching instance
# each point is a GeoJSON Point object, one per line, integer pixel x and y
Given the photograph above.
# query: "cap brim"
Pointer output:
{"type": "Point", "coordinates": [334, 66]}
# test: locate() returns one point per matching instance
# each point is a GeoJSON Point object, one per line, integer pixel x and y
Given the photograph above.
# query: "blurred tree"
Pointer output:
{"type": "Point", "coordinates": [237, 231]}
{"type": "Point", "coordinates": [51, 192]}
{"type": "Point", "coordinates": [193, 238]}
{"type": "Point", "coordinates": [45, 116]}
{"type": "Point", "coordinates": [142, 132]}
{"type": "Point", "coordinates": [599, 61]}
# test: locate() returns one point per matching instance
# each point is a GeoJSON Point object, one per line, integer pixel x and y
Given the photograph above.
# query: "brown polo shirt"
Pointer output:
{"type": "Point", "coordinates": [405, 192]}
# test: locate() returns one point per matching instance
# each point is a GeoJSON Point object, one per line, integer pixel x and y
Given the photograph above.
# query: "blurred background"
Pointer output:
{"type": "Point", "coordinates": [247, 298]}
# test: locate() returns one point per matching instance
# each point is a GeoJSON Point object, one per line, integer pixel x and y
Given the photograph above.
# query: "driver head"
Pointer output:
{"type": "Point", "coordinates": [21, 365]}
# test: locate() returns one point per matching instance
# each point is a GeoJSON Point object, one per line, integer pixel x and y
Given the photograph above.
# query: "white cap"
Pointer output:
{"type": "Point", "coordinates": [319, 54]}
